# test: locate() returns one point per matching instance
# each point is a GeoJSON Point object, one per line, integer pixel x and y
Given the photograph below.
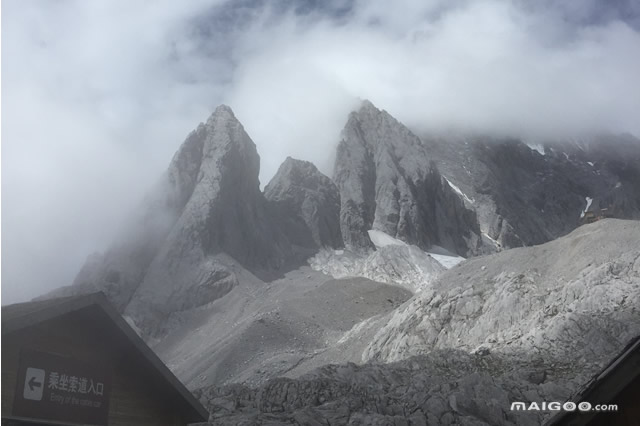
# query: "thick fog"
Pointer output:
{"type": "Point", "coordinates": [97, 95]}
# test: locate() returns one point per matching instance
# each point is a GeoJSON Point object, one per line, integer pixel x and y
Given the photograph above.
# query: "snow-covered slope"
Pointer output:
{"type": "Point", "coordinates": [381, 239]}
{"type": "Point", "coordinates": [445, 257]}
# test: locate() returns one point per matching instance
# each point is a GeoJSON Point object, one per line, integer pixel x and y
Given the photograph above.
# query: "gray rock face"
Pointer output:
{"type": "Point", "coordinates": [527, 324]}
{"type": "Point", "coordinates": [289, 326]}
{"type": "Point", "coordinates": [207, 204]}
{"type": "Point", "coordinates": [405, 266]}
{"type": "Point", "coordinates": [119, 271]}
{"type": "Point", "coordinates": [579, 294]}
{"type": "Point", "coordinates": [446, 387]}
{"type": "Point", "coordinates": [387, 182]}
{"type": "Point", "coordinates": [526, 194]}
{"type": "Point", "coordinates": [614, 173]}
{"type": "Point", "coordinates": [306, 203]}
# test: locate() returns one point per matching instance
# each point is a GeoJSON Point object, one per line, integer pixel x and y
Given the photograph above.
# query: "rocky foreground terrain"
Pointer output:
{"type": "Point", "coordinates": [528, 324]}
{"type": "Point", "coordinates": [433, 279]}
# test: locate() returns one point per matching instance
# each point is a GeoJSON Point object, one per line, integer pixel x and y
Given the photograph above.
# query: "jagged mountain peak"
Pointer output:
{"type": "Point", "coordinates": [209, 204]}
{"type": "Point", "coordinates": [388, 182]}
{"type": "Point", "coordinates": [368, 111]}
{"type": "Point", "coordinates": [228, 129]}
{"type": "Point", "coordinates": [294, 163]}
{"type": "Point", "coordinates": [306, 203]}
{"type": "Point", "coordinates": [222, 111]}
{"type": "Point", "coordinates": [206, 210]}
{"type": "Point", "coordinates": [378, 134]}
{"type": "Point", "coordinates": [222, 133]}
{"type": "Point", "coordinates": [193, 269]}
{"type": "Point", "coordinates": [217, 150]}
{"type": "Point", "coordinates": [221, 128]}
{"type": "Point", "coordinates": [294, 172]}
{"type": "Point", "coordinates": [366, 106]}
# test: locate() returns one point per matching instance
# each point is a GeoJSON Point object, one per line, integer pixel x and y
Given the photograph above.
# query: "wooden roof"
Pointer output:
{"type": "Point", "coordinates": [22, 315]}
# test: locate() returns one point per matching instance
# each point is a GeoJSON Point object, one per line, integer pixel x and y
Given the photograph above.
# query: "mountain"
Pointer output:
{"type": "Point", "coordinates": [527, 193]}
{"type": "Point", "coordinates": [287, 327]}
{"type": "Point", "coordinates": [208, 206]}
{"type": "Point", "coordinates": [388, 182]}
{"type": "Point", "coordinates": [432, 280]}
{"type": "Point", "coordinates": [576, 294]}
{"type": "Point", "coordinates": [306, 203]}
{"type": "Point", "coordinates": [465, 195]}
{"type": "Point", "coordinates": [445, 387]}
{"type": "Point", "coordinates": [526, 324]}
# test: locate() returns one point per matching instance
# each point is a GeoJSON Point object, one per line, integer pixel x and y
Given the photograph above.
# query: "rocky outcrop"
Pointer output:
{"type": "Point", "coordinates": [579, 294]}
{"type": "Point", "coordinates": [122, 267]}
{"type": "Point", "coordinates": [225, 212]}
{"type": "Point", "coordinates": [406, 266]}
{"type": "Point", "coordinates": [289, 326]}
{"type": "Point", "coordinates": [306, 204]}
{"type": "Point", "coordinates": [527, 193]}
{"type": "Point", "coordinates": [207, 206]}
{"type": "Point", "coordinates": [387, 182]}
{"type": "Point", "coordinates": [527, 324]}
{"type": "Point", "coordinates": [446, 387]}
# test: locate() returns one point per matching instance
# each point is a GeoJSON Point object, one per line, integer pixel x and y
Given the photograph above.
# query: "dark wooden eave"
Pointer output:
{"type": "Point", "coordinates": [22, 315]}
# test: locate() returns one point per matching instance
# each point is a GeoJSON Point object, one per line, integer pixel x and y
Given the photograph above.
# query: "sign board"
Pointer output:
{"type": "Point", "coordinates": [53, 387]}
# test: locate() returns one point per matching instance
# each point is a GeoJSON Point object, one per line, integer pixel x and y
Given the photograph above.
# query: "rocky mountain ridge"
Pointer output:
{"type": "Point", "coordinates": [208, 206]}
{"type": "Point", "coordinates": [388, 182]}
{"type": "Point", "coordinates": [492, 330]}
{"type": "Point", "coordinates": [577, 294]}
{"type": "Point", "coordinates": [307, 203]}
{"type": "Point", "coordinates": [527, 193]}
{"type": "Point", "coordinates": [213, 273]}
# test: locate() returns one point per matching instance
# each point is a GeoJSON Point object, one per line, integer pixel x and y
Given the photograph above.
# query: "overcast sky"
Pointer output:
{"type": "Point", "coordinates": [97, 95]}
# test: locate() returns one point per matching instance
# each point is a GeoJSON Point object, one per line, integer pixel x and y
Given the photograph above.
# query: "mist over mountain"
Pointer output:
{"type": "Point", "coordinates": [114, 87]}
{"type": "Point", "coordinates": [426, 253]}
{"type": "Point", "coordinates": [207, 214]}
{"type": "Point", "coordinates": [389, 214]}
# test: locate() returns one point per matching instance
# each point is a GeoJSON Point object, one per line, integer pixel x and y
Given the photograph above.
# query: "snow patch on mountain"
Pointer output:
{"type": "Point", "coordinates": [445, 257]}
{"type": "Point", "coordinates": [492, 240]}
{"type": "Point", "coordinates": [388, 181]}
{"type": "Point", "coordinates": [536, 147]}
{"type": "Point", "coordinates": [381, 239]}
{"type": "Point", "coordinates": [402, 265]}
{"type": "Point", "coordinates": [459, 191]}
{"type": "Point", "coordinates": [589, 200]}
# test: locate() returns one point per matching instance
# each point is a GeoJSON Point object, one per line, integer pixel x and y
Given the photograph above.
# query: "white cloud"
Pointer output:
{"type": "Point", "coordinates": [484, 65]}
{"type": "Point", "coordinates": [97, 95]}
{"type": "Point", "coordinates": [93, 110]}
